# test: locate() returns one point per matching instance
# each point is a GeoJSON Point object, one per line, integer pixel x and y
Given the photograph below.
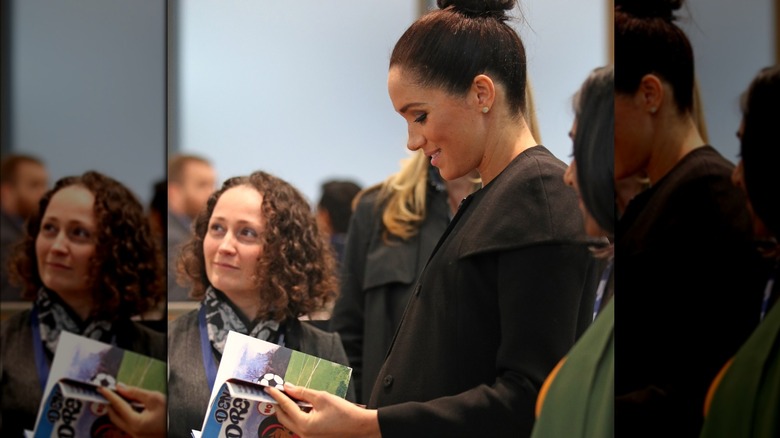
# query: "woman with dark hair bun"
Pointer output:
{"type": "Point", "coordinates": [687, 261]}
{"type": "Point", "coordinates": [501, 299]}
{"type": "Point", "coordinates": [744, 399]}
{"type": "Point", "coordinates": [91, 263]}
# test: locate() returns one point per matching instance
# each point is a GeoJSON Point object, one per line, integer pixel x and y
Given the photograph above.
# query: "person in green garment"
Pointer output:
{"type": "Point", "coordinates": [577, 398]}
{"type": "Point", "coordinates": [744, 400]}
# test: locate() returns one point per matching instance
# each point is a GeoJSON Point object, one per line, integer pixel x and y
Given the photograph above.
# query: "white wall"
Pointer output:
{"type": "Point", "coordinates": [732, 41]}
{"type": "Point", "coordinates": [300, 89]}
{"type": "Point", "coordinates": [88, 87]}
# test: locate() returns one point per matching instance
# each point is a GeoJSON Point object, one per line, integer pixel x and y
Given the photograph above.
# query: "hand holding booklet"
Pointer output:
{"type": "Point", "coordinates": [239, 405]}
{"type": "Point", "coordinates": [72, 406]}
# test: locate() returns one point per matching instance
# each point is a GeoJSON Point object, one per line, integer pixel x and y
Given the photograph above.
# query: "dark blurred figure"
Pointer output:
{"type": "Point", "coordinates": [191, 180]}
{"type": "Point", "coordinates": [334, 211]}
{"type": "Point", "coordinates": [745, 397]}
{"type": "Point", "coordinates": [23, 180]}
{"type": "Point", "coordinates": [155, 317]}
{"type": "Point", "coordinates": [158, 207]}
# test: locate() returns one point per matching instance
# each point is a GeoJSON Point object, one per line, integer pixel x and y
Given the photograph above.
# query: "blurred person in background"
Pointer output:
{"type": "Point", "coordinates": [23, 180]}
{"type": "Point", "coordinates": [744, 399]}
{"type": "Point", "coordinates": [191, 180]}
{"type": "Point", "coordinates": [334, 210]}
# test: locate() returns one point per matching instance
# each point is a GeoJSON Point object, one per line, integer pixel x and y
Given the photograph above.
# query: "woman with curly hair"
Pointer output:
{"type": "Point", "coordinates": [258, 262]}
{"type": "Point", "coordinates": [90, 262]}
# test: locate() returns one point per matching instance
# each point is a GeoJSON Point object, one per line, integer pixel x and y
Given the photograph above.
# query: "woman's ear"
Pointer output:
{"type": "Point", "coordinates": [484, 91]}
{"type": "Point", "coordinates": [651, 93]}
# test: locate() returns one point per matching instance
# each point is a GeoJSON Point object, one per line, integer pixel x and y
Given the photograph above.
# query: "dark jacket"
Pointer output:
{"type": "Point", "coordinates": [11, 233]}
{"type": "Point", "coordinates": [691, 294]}
{"type": "Point", "coordinates": [188, 391]}
{"type": "Point", "coordinates": [376, 280]}
{"type": "Point", "coordinates": [179, 233]}
{"type": "Point", "coordinates": [498, 304]}
{"type": "Point", "coordinates": [20, 389]}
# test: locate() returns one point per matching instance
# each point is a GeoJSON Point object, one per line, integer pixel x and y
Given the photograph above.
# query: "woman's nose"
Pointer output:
{"type": "Point", "coordinates": [415, 141]}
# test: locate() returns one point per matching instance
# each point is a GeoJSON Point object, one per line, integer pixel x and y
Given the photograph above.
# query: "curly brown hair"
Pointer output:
{"type": "Point", "coordinates": [296, 271]}
{"type": "Point", "coordinates": [127, 267]}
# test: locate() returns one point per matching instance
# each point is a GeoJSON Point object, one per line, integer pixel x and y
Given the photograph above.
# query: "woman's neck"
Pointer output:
{"type": "Point", "coordinates": [80, 303]}
{"type": "Point", "coordinates": [676, 140]}
{"type": "Point", "coordinates": [248, 305]}
{"type": "Point", "coordinates": [512, 139]}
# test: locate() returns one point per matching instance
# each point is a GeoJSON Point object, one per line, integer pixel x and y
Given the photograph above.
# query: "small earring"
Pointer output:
{"type": "Point", "coordinates": [485, 110]}
{"type": "Point", "coordinates": [652, 110]}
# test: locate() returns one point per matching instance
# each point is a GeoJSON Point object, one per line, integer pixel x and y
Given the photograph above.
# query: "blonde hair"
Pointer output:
{"type": "Point", "coordinates": [698, 112]}
{"type": "Point", "coordinates": [404, 192]}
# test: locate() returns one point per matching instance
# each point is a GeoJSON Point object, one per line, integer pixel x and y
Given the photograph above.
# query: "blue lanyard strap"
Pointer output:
{"type": "Point", "coordinates": [767, 294]}
{"type": "Point", "coordinates": [209, 364]}
{"type": "Point", "coordinates": [601, 288]}
{"type": "Point", "coordinates": [205, 347]}
{"type": "Point", "coordinates": [41, 363]}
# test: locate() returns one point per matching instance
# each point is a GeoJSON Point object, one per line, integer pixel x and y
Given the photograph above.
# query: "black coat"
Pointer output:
{"type": "Point", "coordinates": [498, 304]}
{"type": "Point", "coordinates": [376, 281]}
{"type": "Point", "coordinates": [692, 283]}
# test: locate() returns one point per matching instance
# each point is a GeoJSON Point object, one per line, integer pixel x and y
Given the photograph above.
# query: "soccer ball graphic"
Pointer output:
{"type": "Point", "coordinates": [104, 380]}
{"type": "Point", "coordinates": [271, 379]}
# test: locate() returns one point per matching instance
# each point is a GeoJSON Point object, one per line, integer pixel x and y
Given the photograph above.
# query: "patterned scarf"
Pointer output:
{"type": "Point", "coordinates": [54, 316]}
{"type": "Point", "coordinates": [222, 317]}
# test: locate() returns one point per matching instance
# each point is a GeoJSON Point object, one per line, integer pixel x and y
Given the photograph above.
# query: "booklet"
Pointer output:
{"type": "Point", "coordinates": [239, 405]}
{"type": "Point", "coordinates": [72, 406]}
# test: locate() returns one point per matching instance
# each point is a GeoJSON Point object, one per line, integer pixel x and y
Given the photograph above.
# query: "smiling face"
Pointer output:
{"type": "Point", "coordinates": [233, 244]}
{"type": "Point", "coordinates": [444, 126]}
{"type": "Point", "coordinates": [66, 242]}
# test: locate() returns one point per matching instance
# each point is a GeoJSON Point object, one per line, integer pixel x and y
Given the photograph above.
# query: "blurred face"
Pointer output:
{"type": "Point", "coordinates": [232, 245]}
{"type": "Point", "coordinates": [66, 242]}
{"type": "Point", "coordinates": [632, 134]}
{"type": "Point", "coordinates": [30, 185]}
{"type": "Point", "coordinates": [570, 179]}
{"type": "Point", "coordinates": [443, 126]}
{"type": "Point", "coordinates": [197, 185]}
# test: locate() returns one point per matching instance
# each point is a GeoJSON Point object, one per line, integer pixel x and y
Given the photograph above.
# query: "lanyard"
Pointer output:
{"type": "Point", "coordinates": [602, 286]}
{"type": "Point", "coordinates": [209, 364]}
{"type": "Point", "coordinates": [767, 293]}
{"type": "Point", "coordinates": [41, 363]}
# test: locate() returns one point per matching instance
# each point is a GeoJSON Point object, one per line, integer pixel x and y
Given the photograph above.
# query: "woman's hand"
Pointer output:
{"type": "Point", "coordinates": [149, 423]}
{"type": "Point", "coordinates": [330, 416]}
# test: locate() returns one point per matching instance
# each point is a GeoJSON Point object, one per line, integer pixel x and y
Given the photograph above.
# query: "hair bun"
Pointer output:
{"type": "Point", "coordinates": [649, 8]}
{"type": "Point", "coordinates": [495, 8]}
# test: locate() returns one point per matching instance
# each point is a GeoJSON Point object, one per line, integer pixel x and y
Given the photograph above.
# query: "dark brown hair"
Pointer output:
{"type": "Point", "coordinates": [127, 267]}
{"type": "Point", "coordinates": [648, 42]}
{"type": "Point", "coordinates": [594, 107]}
{"type": "Point", "coordinates": [760, 148]}
{"type": "Point", "coordinates": [447, 48]}
{"type": "Point", "coordinates": [296, 271]}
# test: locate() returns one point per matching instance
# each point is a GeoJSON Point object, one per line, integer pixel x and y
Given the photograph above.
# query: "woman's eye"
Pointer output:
{"type": "Point", "coordinates": [48, 229]}
{"type": "Point", "coordinates": [81, 233]}
{"type": "Point", "coordinates": [421, 118]}
{"type": "Point", "coordinates": [216, 228]}
{"type": "Point", "coordinates": [248, 232]}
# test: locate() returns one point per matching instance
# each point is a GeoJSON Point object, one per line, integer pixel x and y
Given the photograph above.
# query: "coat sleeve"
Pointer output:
{"type": "Point", "coordinates": [347, 318]}
{"type": "Point", "coordinates": [539, 294]}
